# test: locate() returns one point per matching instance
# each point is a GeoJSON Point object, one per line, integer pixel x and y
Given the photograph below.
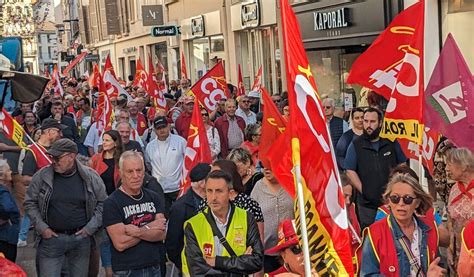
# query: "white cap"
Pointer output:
{"type": "Point", "coordinates": [253, 93]}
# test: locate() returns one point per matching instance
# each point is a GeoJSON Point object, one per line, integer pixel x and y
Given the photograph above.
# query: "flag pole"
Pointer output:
{"type": "Point", "coordinates": [299, 191]}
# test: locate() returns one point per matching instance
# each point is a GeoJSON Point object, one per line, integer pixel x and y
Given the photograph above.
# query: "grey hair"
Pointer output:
{"type": "Point", "coordinates": [128, 155]}
{"type": "Point", "coordinates": [426, 201]}
{"type": "Point", "coordinates": [462, 157]}
{"type": "Point", "coordinates": [124, 123]}
{"type": "Point", "coordinates": [4, 167]}
{"type": "Point", "coordinates": [330, 101]}
{"type": "Point", "coordinates": [240, 155]}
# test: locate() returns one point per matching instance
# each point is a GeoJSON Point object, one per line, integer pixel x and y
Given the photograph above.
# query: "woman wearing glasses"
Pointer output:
{"type": "Point", "coordinates": [402, 244]}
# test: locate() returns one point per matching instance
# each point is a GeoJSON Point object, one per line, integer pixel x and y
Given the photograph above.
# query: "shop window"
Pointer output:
{"type": "Point", "coordinates": [325, 68]}
{"type": "Point", "coordinates": [200, 57]}
{"type": "Point", "coordinates": [267, 50]}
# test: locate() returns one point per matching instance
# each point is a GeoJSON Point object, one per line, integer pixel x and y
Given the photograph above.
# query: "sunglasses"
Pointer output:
{"type": "Point", "coordinates": [395, 199]}
{"type": "Point", "coordinates": [205, 114]}
{"type": "Point", "coordinates": [327, 107]}
{"type": "Point", "coordinates": [296, 249]}
{"type": "Point", "coordinates": [246, 101]}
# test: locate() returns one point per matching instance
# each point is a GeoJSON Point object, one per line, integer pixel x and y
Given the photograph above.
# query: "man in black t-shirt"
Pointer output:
{"type": "Point", "coordinates": [124, 128]}
{"type": "Point", "coordinates": [134, 221]}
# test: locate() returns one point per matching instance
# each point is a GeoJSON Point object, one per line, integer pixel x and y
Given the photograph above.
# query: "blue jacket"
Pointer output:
{"type": "Point", "coordinates": [9, 217]}
{"type": "Point", "coordinates": [370, 265]}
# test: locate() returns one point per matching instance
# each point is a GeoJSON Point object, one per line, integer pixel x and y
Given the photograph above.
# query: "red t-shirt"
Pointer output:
{"type": "Point", "coordinates": [276, 272]}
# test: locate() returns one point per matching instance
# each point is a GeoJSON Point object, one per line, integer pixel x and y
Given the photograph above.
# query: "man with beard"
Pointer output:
{"type": "Point", "coordinates": [368, 161]}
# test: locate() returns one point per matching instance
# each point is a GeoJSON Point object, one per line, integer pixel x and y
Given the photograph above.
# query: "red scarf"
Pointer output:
{"type": "Point", "coordinates": [464, 191]}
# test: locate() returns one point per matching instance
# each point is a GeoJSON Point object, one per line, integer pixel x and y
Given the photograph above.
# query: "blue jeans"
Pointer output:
{"type": "Point", "coordinates": [24, 228]}
{"type": "Point", "coordinates": [71, 250]}
{"type": "Point", "coordinates": [105, 250]}
{"type": "Point", "coordinates": [152, 271]}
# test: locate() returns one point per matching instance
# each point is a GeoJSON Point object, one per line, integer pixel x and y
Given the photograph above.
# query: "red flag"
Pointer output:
{"type": "Point", "coordinates": [257, 83]}
{"type": "Point", "coordinates": [153, 89]}
{"type": "Point", "coordinates": [412, 150]}
{"type": "Point", "coordinates": [184, 72]}
{"type": "Point", "coordinates": [240, 85]}
{"type": "Point", "coordinates": [56, 82]}
{"type": "Point", "coordinates": [197, 148]}
{"type": "Point", "coordinates": [393, 67]}
{"type": "Point", "coordinates": [77, 60]}
{"type": "Point", "coordinates": [159, 67]}
{"type": "Point", "coordinates": [449, 97]}
{"type": "Point", "coordinates": [273, 125]}
{"type": "Point", "coordinates": [104, 108]}
{"type": "Point", "coordinates": [112, 86]}
{"type": "Point", "coordinates": [11, 128]}
{"type": "Point", "coordinates": [39, 152]}
{"type": "Point", "coordinates": [96, 78]}
{"type": "Point", "coordinates": [211, 87]}
{"type": "Point", "coordinates": [141, 76]}
{"type": "Point", "coordinates": [314, 163]}
{"type": "Point", "coordinates": [109, 67]}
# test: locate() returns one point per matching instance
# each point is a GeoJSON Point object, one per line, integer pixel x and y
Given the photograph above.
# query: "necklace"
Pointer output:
{"type": "Point", "coordinates": [131, 196]}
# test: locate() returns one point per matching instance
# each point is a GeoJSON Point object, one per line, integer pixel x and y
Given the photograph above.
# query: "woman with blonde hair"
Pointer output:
{"type": "Point", "coordinates": [413, 247]}
{"type": "Point", "coordinates": [460, 168]}
{"type": "Point", "coordinates": [246, 168]}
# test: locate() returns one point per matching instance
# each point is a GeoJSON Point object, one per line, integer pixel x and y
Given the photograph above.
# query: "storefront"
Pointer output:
{"type": "Point", "coordinates": [335, 33]}
{"type": "Point", "coordinates": [203, 43]}
{"type": "Point", "coordinates": [457, 18]}
{"type": "Point", "coordinates": [254, 24]}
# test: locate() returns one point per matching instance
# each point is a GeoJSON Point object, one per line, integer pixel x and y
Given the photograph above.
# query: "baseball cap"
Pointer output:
{"type": "Point", "coordinates": [49, 123]}
{"type": "Point", "coordinates": [199, 172]}
{"type": "Point", "coordinates": [254, 94]}
{"type": "Point", "coordinates": [286, 237]}
{"type": "Point", "coordinates": [160, 122]}
{"type": "Point", "coordinates": [62, 146]}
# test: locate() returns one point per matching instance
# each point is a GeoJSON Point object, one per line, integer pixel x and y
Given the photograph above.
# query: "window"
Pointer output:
{"type": "Point", "coordinates": [200, 60]}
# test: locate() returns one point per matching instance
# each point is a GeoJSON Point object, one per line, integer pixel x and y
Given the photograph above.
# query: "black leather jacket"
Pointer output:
{"type": "Point", "coordinates": [225, 266]}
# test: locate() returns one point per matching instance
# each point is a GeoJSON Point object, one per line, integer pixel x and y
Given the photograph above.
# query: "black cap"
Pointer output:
{"type": "Point", "coordinates": [52, 123]}
{"type": "Point", "coordinates": [62, 146]}
{"type": "Point", "coordinates": [160, 122]}
{"type": "Point", "coordinates": [199, 172]}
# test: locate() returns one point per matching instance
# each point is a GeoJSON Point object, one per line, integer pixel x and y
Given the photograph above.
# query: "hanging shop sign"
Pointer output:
{"type": "Point", "coordinates": [152, 15]}
{"type": "Point", "coordinates": [250, 15]}
{"type": "Point", "coordinates": [197, 26]}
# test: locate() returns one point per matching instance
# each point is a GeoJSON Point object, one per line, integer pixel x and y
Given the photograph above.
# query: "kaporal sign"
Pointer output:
{"type": "Point", "coordinates": [331, 20]}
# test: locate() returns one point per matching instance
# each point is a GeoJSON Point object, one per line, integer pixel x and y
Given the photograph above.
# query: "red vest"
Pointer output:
{"type": "Point", "coordinates": [39, 152]}
{"type": "Point", "coordinates": [385, 251]}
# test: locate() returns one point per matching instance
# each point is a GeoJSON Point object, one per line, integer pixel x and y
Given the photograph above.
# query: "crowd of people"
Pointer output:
{"type": "Point", "coordinates": [113, 198]}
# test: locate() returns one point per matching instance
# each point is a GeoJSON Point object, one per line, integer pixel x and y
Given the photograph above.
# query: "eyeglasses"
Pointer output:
{"type": "Point", "coordinates": [245, 101]}
{"type": "Point", "coordinates": [257, 135]}
{"type": "Point", "coordinates": [57, 159]}
{"type": "Point", "coordinates": [327, 107]}
{"type": "Point", "coordinates": [277, 100]}
{"type": "Point", "coordinates": [296, 249]}
{"type": "Point", "coordinates": [395, 199]}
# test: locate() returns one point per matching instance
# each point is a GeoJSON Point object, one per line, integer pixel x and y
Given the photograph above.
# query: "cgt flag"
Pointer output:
{"type": "Point", "coordinates": [56, 82]}
{"type": "Point", "coordinates": [96, 77]}
{"type": "Point", "coordinates": [197, 148]}
{"type": "Point", "coordinates": [393, 67]}
{"type": "Point", "coordinates": [104, 108]}
{"type": "Point", "coordinates": [141, 76]}
{"type": "Point", "coordinates": [77, 60]}
{"type": "Point", "coordinates": [324, 208]}
{"type": "Point", "coordinates": [240, 85]}
{"type": "Point", "coordinates": [109, 67]}
{"type": "Point", "coordinates": [211, 88]}
{"type": "Point", "coordinates": [184, 72]}
{"type": "Point", "coordinates": [153, 89]}
{"type": "Point", "coordinates": [273, 125]}
{"type": "Point", "coordinates": [257, 83]}
{"type": "Point", "coordinates": [449, 97]}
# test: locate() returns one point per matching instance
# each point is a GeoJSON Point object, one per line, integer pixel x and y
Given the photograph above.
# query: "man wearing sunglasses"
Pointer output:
{"type": "Point", "coordinates": [290, 251]}
{"type": "Point", "coordinates": [64, 202]}
{"type": "Point", "coordinates": [245, 112]}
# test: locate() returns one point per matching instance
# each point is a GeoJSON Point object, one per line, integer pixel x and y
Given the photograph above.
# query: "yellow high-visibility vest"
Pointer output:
{"type": "Point", "coordinates": [236, 235]}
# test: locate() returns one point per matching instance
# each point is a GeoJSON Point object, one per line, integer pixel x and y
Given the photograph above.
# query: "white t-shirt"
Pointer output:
{"type": "Point", "coordinates": [166, 159]}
